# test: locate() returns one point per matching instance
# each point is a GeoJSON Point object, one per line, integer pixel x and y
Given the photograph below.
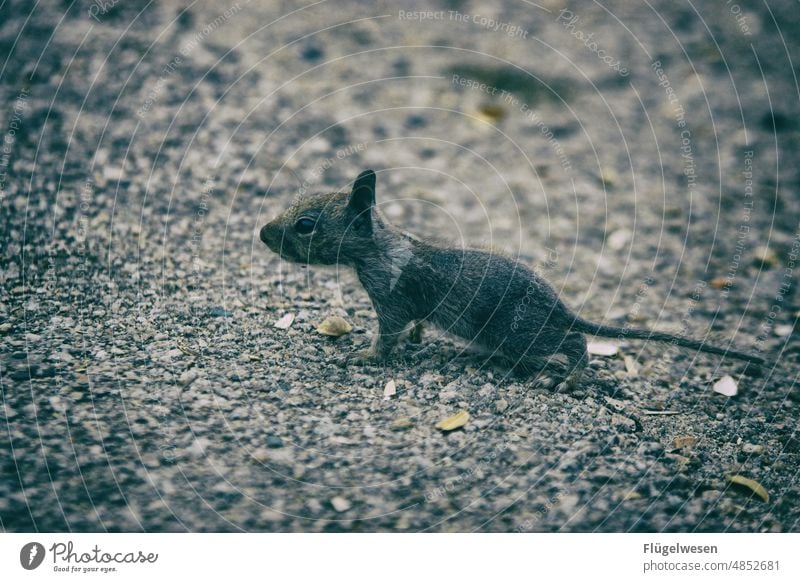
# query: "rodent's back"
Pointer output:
{"type": "Point", "coordinates": [480, 295]}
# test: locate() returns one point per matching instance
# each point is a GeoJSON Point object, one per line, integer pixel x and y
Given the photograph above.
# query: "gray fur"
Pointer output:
{"type": "Point", "coordinates": [495, 302]}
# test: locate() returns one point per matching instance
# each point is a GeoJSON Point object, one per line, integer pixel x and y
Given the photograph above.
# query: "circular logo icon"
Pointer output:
{"type": "Point", "coordinates": [31, 555]}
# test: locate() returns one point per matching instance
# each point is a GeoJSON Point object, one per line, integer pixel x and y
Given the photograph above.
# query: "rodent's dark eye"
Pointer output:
{"type": "Point", "coordinates": [305, 225]}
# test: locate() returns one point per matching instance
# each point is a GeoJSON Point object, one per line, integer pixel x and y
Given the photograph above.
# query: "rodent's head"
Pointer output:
{"type": "Point", "coordinates": [325, 229]}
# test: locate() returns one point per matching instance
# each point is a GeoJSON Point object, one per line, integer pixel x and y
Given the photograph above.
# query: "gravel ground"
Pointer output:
{"type": "Point", "coordinates": [642, 156]}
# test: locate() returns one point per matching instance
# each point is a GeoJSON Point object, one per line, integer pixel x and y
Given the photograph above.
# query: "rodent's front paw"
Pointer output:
{"type": "Point", "coordinates": [359, 358]}
{"type": "Point", "coordinates": [546, 382]}
{"type": "Point", "coordinates": [415, 335]}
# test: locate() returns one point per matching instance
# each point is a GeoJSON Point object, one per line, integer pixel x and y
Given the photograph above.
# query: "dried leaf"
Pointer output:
{"type": "Point", "coordinates": [285, 321]}
{"type": "Point", "coordinates": [389, 390]}
{"type": "Point", "coordinates": [453, 422]}
{"type": "Point", "coordinates": [752, 485]}
{"type": "Point", "coordinates": [631, 495]}
{"type": "Point", "coordinates": [684, 441]}
{"type": "Point", "coordinates": [182, 346]}
{"type": "Point", "coordinates": [602, 349]}
{"type": "Point", "coordinates": [83, 366]}
{"type": "Point", "coordinates": [608, 177]}
{"type": "Point", "coordinates": [334, 326]}
{"type": "Point", "coordinates": [491, 113]}
{"type": "Point", "coordinates": [402, 424]}
{"type": "Point", "coordinates": [719, 282]}
{"type": "Point", "coordinates": [765, 257]}
{"type": "Point", "coordinates": [631, 366]}
{"type": "Point", "coordinates": [726, 386]}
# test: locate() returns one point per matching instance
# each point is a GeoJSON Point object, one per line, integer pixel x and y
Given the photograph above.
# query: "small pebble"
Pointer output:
{"type": "Point", "coordinates": [389, 390]}
{"type": "Point", "coordinates": [765, 257]}
{"type": "Point", "coordinates": [602, 349]}
{"type": "Point", "coordinates": [618, 239]}
{"type": "Point", "coordinates": [285, 321]}
{"type": "Point", "coordinates": [752, 449]}
{"type": "Point", "coordinates": [219, 312]}
{"type": "Point", "coordinates": [726, 386]}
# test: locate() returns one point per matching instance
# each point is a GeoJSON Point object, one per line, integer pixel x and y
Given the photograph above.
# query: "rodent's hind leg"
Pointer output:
{"type": "Point", "coordinates": [560, 370]}
{"type": "Point", "coordinates": [574, 348]}
{"type": "Point", "coordinates": [545, 371]}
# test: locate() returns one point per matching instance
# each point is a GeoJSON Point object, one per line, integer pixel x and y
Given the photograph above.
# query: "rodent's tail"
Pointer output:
{"type": "Point", "coordinates": [645, 334]}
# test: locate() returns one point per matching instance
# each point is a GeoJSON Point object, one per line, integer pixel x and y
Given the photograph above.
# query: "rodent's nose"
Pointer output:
{"type": "Point", "coordinates": [264, 234]}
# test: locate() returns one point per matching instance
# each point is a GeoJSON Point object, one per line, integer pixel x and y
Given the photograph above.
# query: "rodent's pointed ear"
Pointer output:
{"type": "Point", "coordinates": [362, 196]}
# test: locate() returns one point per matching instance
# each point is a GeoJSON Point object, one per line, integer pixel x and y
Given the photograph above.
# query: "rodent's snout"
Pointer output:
{"type": "Point", "coordinates": [264, 233]}
{"type": "Point", "coordinates": [267, 234]}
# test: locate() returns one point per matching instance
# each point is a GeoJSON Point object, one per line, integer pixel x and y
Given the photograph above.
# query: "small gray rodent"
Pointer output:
{"type": "Point", "coordinates": [473, 294]}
